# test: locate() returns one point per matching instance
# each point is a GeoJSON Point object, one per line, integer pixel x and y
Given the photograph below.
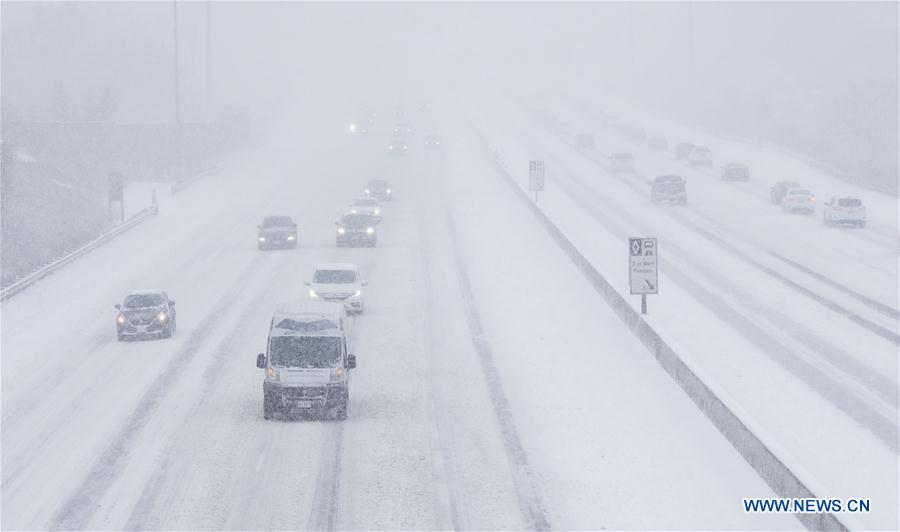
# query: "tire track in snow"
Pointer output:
{"type": "Point", "coordinates": [79, 508]}
{"type": "Point", "coordinates": [530, 503]}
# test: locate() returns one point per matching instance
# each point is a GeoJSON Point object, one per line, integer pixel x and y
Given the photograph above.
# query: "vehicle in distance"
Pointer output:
{"type": "Point", "coordinates": [379, 189]}
{"type": "Point", "coordinates": [402, 130]}
{"type": "Point", "coordinates": [585, 141]}
{"type": "Point", "coordinates": [638, 133]}
{"type": "Point", "coordinates": [735, 172]}
{"type": "Point", "coordinates": [779, 189]}
{"type": "Point", "coordinates": [798, 200]}
{"type": "Point", "coordinates": [356, 230]}
{"type": "Point", "coordinates": [845, 210]}
{"type": "Point", "coordinates": [277, 232]}
{"type": "Point", "coordinates": [621, 162]}
{"type": "Point", "coordinates": [683, 150]}
{"type": "Point", "coordinates": [432, 142]}
{"type": "Point", "coordinates": [397, 147]}
{"type": "Point", "coordinates": [700, 156]}
{"type": "Point", "coordinates": [658, 143]}
{"type": "Point", "coordinates": [367, 206]}
{"type": "Point", "coordinates": [306, 361]}
{"type": "Point", "coordinates": [338, 283]}
{"type": "Point", "coordinates": [145, 314]}
{"type": "Point", "coordinates": [668, 189]}
{"type": "Point", "coordinates": [358, 128]}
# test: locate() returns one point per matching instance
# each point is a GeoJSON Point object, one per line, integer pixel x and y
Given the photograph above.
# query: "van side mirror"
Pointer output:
{"type": "Point", "coordinates": [261, 360]}
{"type": "Point", "coordinates": [118, 306]}
{"type": "Point", "coordinates": [364, 283]}
{"type": "Point", "coordinates": [351, 361]}
{"type": "Point", "coordinates": [307, 283]}
{"type": "Point", "coordinates": [172, 303]}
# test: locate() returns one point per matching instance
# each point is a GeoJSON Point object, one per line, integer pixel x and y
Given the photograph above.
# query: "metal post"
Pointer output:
{"type": "Point", "coordinates": [208, 55]}
{"type": "Point", "coordinates": [643, 303]}
{"type": "Point", "coordinates": [178, 159]}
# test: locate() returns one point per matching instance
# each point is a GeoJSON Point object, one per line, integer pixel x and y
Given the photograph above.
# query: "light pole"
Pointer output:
{"type": "Point", "coordinates": [177, 134]}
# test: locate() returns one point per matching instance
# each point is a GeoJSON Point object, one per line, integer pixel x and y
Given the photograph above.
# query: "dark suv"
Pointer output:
{"type": "Point", "coordinates": [356, 230]}
{"type": "Point", "coordinates": [780, 189]}
{"type": "Point", "coordinates": [145, 314]}
{"type": "Point", "coordinates": [277, 232]}
{"type": "Point", "coordinates": [379, 189]}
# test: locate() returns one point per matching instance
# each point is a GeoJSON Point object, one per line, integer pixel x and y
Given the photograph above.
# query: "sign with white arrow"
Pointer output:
{"type": "Point", "coordinates": [642, 265]}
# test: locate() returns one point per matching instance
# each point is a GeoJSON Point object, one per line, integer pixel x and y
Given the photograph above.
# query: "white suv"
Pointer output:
{"type": "Point", "coordinates": [700, 156]}
{"type": "Point", "coordinates": [844, 210]}
{"type": "Point", "coordinates": [339, 283]}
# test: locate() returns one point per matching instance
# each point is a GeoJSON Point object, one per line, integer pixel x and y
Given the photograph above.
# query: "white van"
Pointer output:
{"type": "Point", "coordinates": [307, 361]}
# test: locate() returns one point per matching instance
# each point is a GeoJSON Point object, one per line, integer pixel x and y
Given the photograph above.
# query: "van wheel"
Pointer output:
{"type": "Point", "coordinates": [268, 407]}
{"type": "Point", "coordinates": [340, 413]}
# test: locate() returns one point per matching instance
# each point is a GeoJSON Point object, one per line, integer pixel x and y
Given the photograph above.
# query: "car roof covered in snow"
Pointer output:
{"type": "Point", "coordinates": [312, 318]}
{"type": "Point", "coordinates": [336, 266]}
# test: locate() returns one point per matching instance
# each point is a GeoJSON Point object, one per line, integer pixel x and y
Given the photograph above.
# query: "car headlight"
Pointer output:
{"type": "Point", "coordinates": [262, 239]}
{"type": "Point", "coordinates": [377, 211]}
{"type": "Point", "coordinates": [353, 211]}
{"type": "Point", "coordinates": [162, 316]}
{"type": "Point", "coordinates": [388, 191]}
{"type": "Point", "coordinates": [273, 374]}
{"type": "Point", "coordinates": [370, 230]}
{"type": "Point", "coordinates": [390, 147]}
{"type": "Point", "coordinates": [290, 237]}
{"type": "Point", "coordinates": [313, 294]}
{"type": "Point", "coordinates": [358, 293]}
{"type": "Point", "coordinates": [341, 230]}
{"type": "Point", "coordinates": [405, 147]}
{"type": "Point", "coordinates": [120, 319]}
{"type": "Point", "coordinates": [367, 191]}
{"type": "Point", "coordinates": [352, 128]}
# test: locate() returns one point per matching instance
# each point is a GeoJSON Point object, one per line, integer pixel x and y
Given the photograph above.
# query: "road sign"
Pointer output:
{"type": "Point", "coordinates": [536, 176]}
{"type": "Point", "coordinates": [642, 265]}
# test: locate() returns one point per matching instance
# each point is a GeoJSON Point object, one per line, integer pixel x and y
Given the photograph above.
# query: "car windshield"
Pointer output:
{"type": "Point", "coordinates": [335, 276]}
{"type": "Point", "coordinates": [670, 188]}
{"type": "Point", "coordinates": [365, 203]}
{"type": "Point", "coordinates": [798, 192]}
{"type": "Point", "coordinates": [277, 221]}
{"type": "Point", "coordinates": [143, 300]}
{"type": "Point", "coordinates": [377, 185]}
{"type": "Point", "coordinates": [356, 221]}
{"type": "Point", "coordinates": [849, 202]}
{"type": "Point", "coordinates": [305, 351]}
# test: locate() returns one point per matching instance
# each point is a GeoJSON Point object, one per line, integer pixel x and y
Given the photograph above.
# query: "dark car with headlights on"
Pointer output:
{"type": "Point", "coordinates": [145, 314]}
{"type": "Point", "coordinates": [397, 147]}
{"type": "Point", "coordinates": [277, 232]}
{"type": "Point", "coordinates": [379, 189]}
{"type": "Point", "coordinates": [357, 230]}
{"type": "Point", "coordinates": [432, 142]}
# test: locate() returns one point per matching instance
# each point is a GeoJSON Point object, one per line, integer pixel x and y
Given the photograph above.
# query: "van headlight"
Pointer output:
{"type": "Point", "coordinates": [313, 294]}
{"type": "Point", "coordinates": [337, 374]}
{"type": "Point", "coordinates": [358, 293]}
{"type": "Point", "coordinates": [370, 230]}
{"type": "Point", "coordinates": [273, 374]}
{"type": "Point", "coordinates": [120, 319]}
{"type": "Point", "coordinates": [341, 230]}
{"type": "Point", "coordinates": [262, 239]}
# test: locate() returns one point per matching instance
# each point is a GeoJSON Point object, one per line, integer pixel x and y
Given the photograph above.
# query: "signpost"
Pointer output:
{"type": "Point", "coordinates": [642, 268]}
{"type": "Point", "coordinates": [536, 177]}
{"type": "Point", "coordinates": [116, 193]}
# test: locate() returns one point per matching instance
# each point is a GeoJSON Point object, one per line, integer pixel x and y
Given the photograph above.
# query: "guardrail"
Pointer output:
{"type": "Point", "coordinates": [24, 282]}
{"type": "Point", "coordinates": [755, 452]}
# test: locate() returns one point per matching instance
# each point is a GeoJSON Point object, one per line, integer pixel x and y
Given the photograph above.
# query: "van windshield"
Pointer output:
{"type": "Point", "coordinates": [305, 351]}
{"type": "Point", "coordinates": [335, 276]}
{"type": "Point", "coordinates": [849, 202]}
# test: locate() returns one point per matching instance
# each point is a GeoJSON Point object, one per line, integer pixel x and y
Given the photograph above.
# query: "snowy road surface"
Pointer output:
{"type": "Point", "coordinates": [494, 388]}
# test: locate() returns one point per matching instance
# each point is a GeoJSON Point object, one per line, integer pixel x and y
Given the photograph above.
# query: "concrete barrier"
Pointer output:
{"type": "Point", "coordinates": [21, 284]}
